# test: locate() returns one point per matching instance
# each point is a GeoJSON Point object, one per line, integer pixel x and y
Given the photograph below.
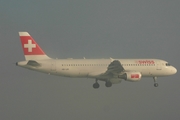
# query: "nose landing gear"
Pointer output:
{"type": "Point", "coordinates": [155, 82]}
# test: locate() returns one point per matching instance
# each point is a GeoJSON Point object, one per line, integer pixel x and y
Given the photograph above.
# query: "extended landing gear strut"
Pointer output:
{"type": "Point", "coordinates": [155, 82]}
{"type": "Point", "coordinates": [96, 84]}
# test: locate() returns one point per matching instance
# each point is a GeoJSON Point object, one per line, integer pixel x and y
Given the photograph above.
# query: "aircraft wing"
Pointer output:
{"type": "Point", "coordinates": [114, 68]}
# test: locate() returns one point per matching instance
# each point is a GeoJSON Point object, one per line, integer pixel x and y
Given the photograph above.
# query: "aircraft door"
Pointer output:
{"type": "Point", "coordinates": [158, 65]}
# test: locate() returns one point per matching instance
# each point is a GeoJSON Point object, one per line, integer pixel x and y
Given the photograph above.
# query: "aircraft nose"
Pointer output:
{"type": "Point", "coordinates": [174, 70]}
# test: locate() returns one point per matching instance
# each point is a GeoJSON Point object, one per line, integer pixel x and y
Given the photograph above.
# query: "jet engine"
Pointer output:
{"type": "Point", "coordinates": [131, 76]}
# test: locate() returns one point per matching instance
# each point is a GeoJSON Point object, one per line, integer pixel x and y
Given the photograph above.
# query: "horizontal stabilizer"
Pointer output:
{"type": "Point", "coordinates": [33, 63]}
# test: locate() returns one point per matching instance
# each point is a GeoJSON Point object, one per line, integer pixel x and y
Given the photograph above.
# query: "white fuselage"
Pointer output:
{"type": "Point", "coordinates": [92, 68]}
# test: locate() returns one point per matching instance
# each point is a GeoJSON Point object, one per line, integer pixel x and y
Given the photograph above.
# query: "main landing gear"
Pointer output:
{"type": "Point", "coordinates": [155, 82]}
{"type": "Point", "coordinates": [108, 84]}
{"type": "Point", "coordinates": [96, 84]}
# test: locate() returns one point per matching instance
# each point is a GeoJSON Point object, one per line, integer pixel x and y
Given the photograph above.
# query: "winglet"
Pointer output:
{"type": "Point", "coordinates": [111, 59]}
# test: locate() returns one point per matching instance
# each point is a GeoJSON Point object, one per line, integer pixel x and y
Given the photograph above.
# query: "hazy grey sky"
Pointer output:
{"type": "Point", "coordinates": [91, 29]}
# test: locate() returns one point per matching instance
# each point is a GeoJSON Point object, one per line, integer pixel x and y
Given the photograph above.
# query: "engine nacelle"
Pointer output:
{"type": "Point", "coordinates": [131, 76]}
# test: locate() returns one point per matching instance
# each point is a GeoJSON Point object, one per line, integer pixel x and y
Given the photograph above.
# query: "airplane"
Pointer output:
{"type": "Point", "coordinates": [111, 71]}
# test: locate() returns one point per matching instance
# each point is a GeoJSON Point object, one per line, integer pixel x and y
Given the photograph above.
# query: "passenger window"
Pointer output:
{"type": "Point", "coordinates": [167, 64]}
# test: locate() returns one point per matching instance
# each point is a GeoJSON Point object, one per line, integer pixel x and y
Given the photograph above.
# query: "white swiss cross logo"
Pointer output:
{"type": "Point", "coordinates": [29, 46]}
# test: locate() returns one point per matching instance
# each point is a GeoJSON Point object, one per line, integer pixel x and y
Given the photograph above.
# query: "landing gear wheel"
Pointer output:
{"type": "Point", "coordinates": [96, 85]}
{"type": "Point", "coordinates": [108, 84]}
{"type": "Point", "coordinates": [155, 84]}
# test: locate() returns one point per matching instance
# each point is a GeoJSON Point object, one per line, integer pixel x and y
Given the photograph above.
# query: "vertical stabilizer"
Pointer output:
{"type": "Point", "coordinates": [32, 51]}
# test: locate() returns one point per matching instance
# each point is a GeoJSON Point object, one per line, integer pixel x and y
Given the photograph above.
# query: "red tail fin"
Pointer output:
{"type": "Point", "coordinates": [32, 51]}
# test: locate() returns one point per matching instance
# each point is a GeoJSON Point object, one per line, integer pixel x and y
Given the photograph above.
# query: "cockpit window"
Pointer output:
{"type": "Point", "coordinates": [167, 64]}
